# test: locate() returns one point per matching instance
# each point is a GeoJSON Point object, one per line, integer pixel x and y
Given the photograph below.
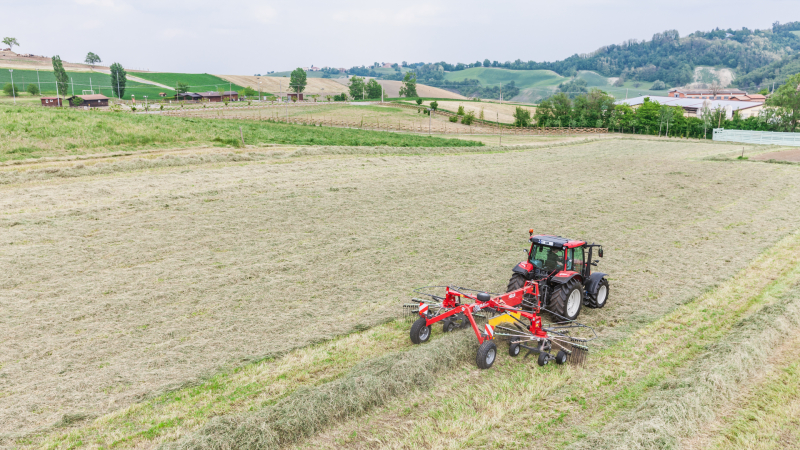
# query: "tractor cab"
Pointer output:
{"type": "Point", "coordinates": [562, 269]}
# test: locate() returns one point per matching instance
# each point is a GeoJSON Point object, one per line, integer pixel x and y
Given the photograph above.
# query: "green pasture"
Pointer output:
{"type": "Point", "coordinates": [79, 81]}
{"type": "Point", "coordinates": [489, 76]}
{"type": "Point", "coordinates": [198, 82]}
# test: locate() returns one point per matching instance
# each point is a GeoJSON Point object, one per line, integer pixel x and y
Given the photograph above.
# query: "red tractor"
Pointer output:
{"type": "Point", "coordinates": [561, 268]}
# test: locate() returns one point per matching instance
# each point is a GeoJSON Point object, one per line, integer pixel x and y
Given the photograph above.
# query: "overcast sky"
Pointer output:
{"type": "Point", "coordinates": [246, 36]}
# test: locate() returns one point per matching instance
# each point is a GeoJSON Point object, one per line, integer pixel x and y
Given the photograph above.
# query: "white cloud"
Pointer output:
{"type": "Point", "coordinates": [410, 16]}
{"type": "Point", "coordinates": [263, 13]}
{"type": "Point", "coordinates": [102, 3]}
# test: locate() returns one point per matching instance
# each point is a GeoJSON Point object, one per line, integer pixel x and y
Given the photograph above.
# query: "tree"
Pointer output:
{"type": "Point", "coordinates": [61, 75]}
{"type": "Point", "coordinates": [357, 88]}
{"type": "Point", "coordinates": [706, 115]}
{"type": "Point", "coordinates": [374, 89]}
{"type": "Point", "coordinates": [486, 63]}
{"type": "Point", "coordinates": [11, 42]}
{"type": "Point", "coordinates": [658, 85]}
{"type": "Point", "coordinates": [92, 59]}
{"type": "Point", "coordinates": [118, 79]}
{"type": "Point", "coordinates": [468, 118]}
{"type": "Point", "coordinates": [77, 101]}
{"type": "Point", "coordinates": [787, 99]}
{"type": "Point", "coordinates": [522, 117]}
{"type": "Point", "coordinates": [33, 89]}
{"type": "Point", "coordinates": [409, 88]}
{"type": "Point", "coordinates": [434, 105]}
{"type": "Point", "coordinates": [181, 88]}
{"type": "Point", "coordinates": [419, 101]}
{"type": "Point", "coordinates": [298, 80]}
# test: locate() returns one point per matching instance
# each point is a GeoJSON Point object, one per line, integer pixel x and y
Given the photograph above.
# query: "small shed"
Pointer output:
{"type": "Point", "coordinates": [295, 96]}
{"type": "Point", "coordinates": [51, 101]}
{"type": "Point", "coordinates": [91, 101]}
{"type": "Point", "coordinates": [231, 95]}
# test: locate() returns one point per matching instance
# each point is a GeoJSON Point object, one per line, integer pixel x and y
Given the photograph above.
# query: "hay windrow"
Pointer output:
{"type": "Point", "coordinates": [308, 411]}
{"type": "Point", "coordinates": [683, 403]}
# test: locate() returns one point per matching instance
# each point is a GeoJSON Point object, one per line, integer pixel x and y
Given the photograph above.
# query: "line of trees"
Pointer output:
{"type": "Point", "coordinates": [596, 109]}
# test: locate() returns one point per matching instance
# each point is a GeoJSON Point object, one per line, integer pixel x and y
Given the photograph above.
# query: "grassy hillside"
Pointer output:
{"type": "Point", "coordinates": [99, 82]}
{"type": "Point", "coordinates": [196, 81]}
{"type": "Point", "coordinates": [521, 78]}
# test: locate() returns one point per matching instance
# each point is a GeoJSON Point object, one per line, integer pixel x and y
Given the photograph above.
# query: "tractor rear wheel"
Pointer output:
{"type": "Point", "coordinates": [516, 282]}
{"type": "Point", "coordinates": [566, 300]}
{"type": "Point", "coordinates": [600, 295]}
{"type": "Point", "coordinates": [420, 332]}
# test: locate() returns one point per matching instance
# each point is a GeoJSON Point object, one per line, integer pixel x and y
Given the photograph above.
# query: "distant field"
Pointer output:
{"type": "Point", "coordinates": [489, 76]}
{"type": "Point", "coordinates": [196, 81]}
{"type": "Point", "coordinates": [593, 79]}
{"type": "Point", "coordinates": [99, 82]}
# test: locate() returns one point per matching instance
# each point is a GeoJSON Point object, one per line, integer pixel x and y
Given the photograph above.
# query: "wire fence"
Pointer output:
{"type": "Point", "coordinates": [757, 137]}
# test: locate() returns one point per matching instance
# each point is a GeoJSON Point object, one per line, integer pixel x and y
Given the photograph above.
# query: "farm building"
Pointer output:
{"type": "Point", "coordinates": [295, 96]}
{"type": "Point", "coordinates": [692, 107]}
{"type": "Point", "coordinates": [189, 96]}
{"type": "Point", "coordinates": [51, 101]}
{"type": "Point", "coordinates": [718, 94]}
{"type": "Point", "coordinates": [89, 101]}
{"type": "Point", "coordinates": [212, 96]}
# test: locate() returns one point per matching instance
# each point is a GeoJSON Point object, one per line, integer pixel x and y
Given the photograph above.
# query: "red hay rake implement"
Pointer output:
{"type": "Point", "coordinates": [513, 316]}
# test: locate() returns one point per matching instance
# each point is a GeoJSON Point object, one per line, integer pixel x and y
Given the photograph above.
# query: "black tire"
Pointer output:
{"type": "Point", "coordinates": [449, 325]}
{"type": "Point", "coordinates": [420, 332]}
{"type": "Point", "coordinates": [561, 357]}
{"type": "Point", "coordinates": [599, 297]}
{"type": "Point", "coordinates": [563, 305]}
{"type": "Point", "coordinates": [543, 359]}
{"type": "Point", "coordinates": [514, 349]}
{"type": "Point", "coordinates": [516, 282]}
{"type": "Point", "coordinates": [487, 354]}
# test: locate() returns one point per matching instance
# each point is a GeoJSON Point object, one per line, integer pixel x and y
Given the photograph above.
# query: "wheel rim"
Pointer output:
{"type": "Point", "coordinates": [424, 332]}
{"type": "Point", "coordinates": [516, 349]}
{"type": "Point", "coordinates": [490, 356]}
{"type": "Point", "coordinates": [573, 303]}
{"type": "Point", "coordinates": [602, 293]}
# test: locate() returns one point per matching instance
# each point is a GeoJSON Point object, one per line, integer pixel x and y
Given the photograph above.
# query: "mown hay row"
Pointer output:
{"type": "Point", "coordinates": [308, 411]}
{"type": "Point", "coordinates": [684, 403]}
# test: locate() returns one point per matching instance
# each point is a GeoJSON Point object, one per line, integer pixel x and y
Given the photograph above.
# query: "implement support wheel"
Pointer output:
{"type": "Point", "coordinates": [420, 332]}
{"type": "Point", "coordinates": [487, 353]}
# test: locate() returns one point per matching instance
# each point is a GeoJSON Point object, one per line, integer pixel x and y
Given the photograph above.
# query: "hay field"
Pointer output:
{"type": "Point", "coordinates": [353, 113]}
{"type": "Point", "coordinates": [392, 89]}
{"type": "Point", "coordinates": [320, 86]}
{"type": "Point", "coordinates": [492, 111]}
{"type": "Point", "coordinates": [124, 283]}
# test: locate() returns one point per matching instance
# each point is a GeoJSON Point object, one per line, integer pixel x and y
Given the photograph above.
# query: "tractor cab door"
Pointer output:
{"type": "Point", "coordinates": [576, 260]}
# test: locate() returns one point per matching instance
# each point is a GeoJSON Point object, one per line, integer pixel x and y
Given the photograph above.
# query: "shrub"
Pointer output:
{"type": "Point", "coordinates": [434, 105]}
{"type": "Point", "coordinates": [10, 89]}
{"type": "Point", "coordinates": [33, 89]}
{"type": "Point", "coordinates": [419, 101]}
{"type": "Point", "coordinates": [658, 85]}
{"type": "Point", "coordinates": [460, 111]}
{"type": "Point", "coordinates": [340, 98]}
{"type": "Point", "coordinates": [468, 118]}
{"type": "Point", "coordinates": [453, 119]}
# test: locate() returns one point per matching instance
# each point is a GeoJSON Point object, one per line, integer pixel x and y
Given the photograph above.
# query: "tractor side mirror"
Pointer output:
{"type": "Point", "coordinates": [600, 252]}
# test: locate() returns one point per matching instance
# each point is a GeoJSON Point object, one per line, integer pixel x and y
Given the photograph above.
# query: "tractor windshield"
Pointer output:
{"type": "Point", "coordinates": [547, 258]}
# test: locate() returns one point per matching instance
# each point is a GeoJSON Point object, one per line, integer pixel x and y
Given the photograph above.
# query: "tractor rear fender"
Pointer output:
{"type": "Point", "coordinates": [524, 268]}
{"type": "Point", "coordinates": [593, 281]}
{"type": "Point", "coordinates": [565, 276]}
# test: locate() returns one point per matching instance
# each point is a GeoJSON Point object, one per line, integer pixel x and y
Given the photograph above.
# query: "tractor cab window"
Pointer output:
{"type": "Point", "coordinates": [575, 259]}
{"type": "Point", "coordinates": [547, 258]}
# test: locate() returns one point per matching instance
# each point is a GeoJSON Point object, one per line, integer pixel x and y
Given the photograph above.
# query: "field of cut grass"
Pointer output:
{"type": "Point", "coordinates": [40, 132]}
{"type": "Point", "coordinates": [99, 82]}
{"type": "Point", "coordinates": [149, 295]}
{"type": "Point", "coordinates": [490, 76]}
{"type": "Point", "coordinates": [198, 82]}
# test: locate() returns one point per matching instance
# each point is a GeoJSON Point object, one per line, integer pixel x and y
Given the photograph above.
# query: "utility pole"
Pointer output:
{"type": "Point", "coordinates": [13, 91]}
{"type": "Point", "coordinates": [501, 93]}
{"type": "Point", "coordinates": [38, 81]}
{"type": "Point", "coordinates": [429, 121]}
{"type": "Point", "coordinates": [72, 83]}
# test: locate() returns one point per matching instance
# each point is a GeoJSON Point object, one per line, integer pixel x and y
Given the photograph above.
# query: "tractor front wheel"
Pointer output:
{"type": "Point", "coordinates": [600, 295]}
{"type": "Point", "coordinates": [420, 332]}
{"type": "Point", "coordinates": [487, 353]}
{"type": "Point", "coordinates": [566, 300]}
